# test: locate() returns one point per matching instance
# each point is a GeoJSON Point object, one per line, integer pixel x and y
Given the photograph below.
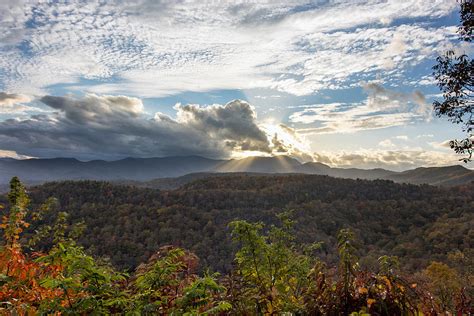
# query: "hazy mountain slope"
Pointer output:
{"type": "Point", "coordinates": [35, 171]}
{"type": "Point", "coordinates": [446, 176]}
{"type": "Point", "coordinates": [351, 173]}
{"type": "Point", "coordinates": [141, 169]}
{"type": "Point", "coordinates": [278, 164]}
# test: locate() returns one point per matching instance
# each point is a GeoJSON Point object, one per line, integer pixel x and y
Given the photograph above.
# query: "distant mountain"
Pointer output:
{"type": "Point", "coordinates": [169, 172]}
{"type": "Point", "coordinates": [443, 176]}
{"type": "Point", "coordinates": [278, 164]}
{"type": "Point", "coordinates": [351, 173]}
{"type": "Point", "coordinates": [139, 169]}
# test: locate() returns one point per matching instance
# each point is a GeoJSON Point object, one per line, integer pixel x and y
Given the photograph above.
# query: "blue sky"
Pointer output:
{"type": "Point", "coordinates": [347, 83]}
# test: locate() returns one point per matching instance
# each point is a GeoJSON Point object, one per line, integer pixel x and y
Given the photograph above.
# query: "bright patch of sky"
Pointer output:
{"type": "Point", "coordinates": [321, 79]}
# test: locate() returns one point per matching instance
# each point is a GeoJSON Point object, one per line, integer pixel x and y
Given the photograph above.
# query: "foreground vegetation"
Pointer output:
{"type": "Point", "coordinates": [272, 274]}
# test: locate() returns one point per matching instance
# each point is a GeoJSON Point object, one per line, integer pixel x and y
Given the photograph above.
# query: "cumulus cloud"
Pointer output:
{"type": "Point", "coordinates": [388, 159]}
{"type": "Point", "coordinates": [397, 142]}
{"type": "Point", "coordinates": [94, 109]}
{"type": "Point", "coordinates": [234, 122]}
{"type": "Point", "coordinates": [386, 143]}
{"type": "Point", "coordinates": [117, 126]}
{"type": "Point", "coordinates": [14, 103]}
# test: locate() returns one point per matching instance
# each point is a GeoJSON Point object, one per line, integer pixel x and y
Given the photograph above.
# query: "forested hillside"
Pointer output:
{"type": "Point", "coordinates": [269, 269]}
{"type": "Point", "coordinates": [127, 224]}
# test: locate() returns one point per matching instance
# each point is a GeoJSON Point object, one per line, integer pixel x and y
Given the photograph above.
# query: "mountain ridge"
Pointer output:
{"type": "Point", "coordinates": [36, 171]}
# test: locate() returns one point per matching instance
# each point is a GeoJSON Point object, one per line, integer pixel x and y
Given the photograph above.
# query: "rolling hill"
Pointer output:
{"type": "Point", "coordinates": [128, 223]}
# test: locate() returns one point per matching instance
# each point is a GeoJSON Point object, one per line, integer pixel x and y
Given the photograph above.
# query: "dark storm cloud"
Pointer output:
{"type": "Point", "coordinates": [236, 121]}
{"type": "Point", "coordinates": [116, 126]}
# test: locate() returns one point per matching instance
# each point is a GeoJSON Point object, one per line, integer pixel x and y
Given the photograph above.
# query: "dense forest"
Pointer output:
{"type": "Point", "coordinates": [274, 268]}
{"type": "Point", "coordinates": [127, 224]}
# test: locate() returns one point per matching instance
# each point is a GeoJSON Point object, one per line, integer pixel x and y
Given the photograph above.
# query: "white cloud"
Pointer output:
{"type": "Point", "coordinates": [12, 154]}
{"type": "Point", "coordinates": [383, 108]}
{"type": "Point", "coordinates": [394, 50]}
{"type": "Point", "coordinates": [10, 99]}
{"type": "Point", "coordinates": [152, 48]}
{"type": "Point", "coordinates": [389, 159]}
{"type": "Point", "coordinates": [441, 145]}
{"type": "Point", "coordinates": [382, 99]}
{"type": "Point", "coordinates": [387, 143]}
{"type": "Point", "coordinates": [401, 137]}
{"type": "Point", "coordinates": [15, 103]}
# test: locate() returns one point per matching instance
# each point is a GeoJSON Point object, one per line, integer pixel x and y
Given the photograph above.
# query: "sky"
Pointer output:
{"type": "Point", "coordinates": [346, 83]}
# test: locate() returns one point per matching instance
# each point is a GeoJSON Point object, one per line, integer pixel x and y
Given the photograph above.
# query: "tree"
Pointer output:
{"type": "Point", "coordinates": [273, 272]}
{"type": "Point", "coordinates": [455, 77]}
{"type": "Point", "coordinates": [444, 283]}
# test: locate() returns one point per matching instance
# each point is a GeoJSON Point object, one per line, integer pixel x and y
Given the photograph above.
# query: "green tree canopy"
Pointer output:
{"type": "Point", "coordinates": [454, 74]}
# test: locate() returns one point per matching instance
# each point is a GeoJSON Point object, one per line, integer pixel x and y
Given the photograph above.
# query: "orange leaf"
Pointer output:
{"type": "Point", "coordinates": [363, 290]}
{"type": "Point", "coordinates": [370, 301]}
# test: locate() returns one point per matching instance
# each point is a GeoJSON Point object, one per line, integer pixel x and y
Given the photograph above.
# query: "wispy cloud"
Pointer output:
{"type": "Point", "coordinates": [383, 108]}
{"type": "Point", "coordinates": [152, 48]}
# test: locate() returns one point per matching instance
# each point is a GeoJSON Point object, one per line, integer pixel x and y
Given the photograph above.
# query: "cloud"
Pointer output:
{"type": "Point", "coordinates": [394, 51]}
{"type": "Point", "coordinates": [383, 108]}
{"type": "Point", "coordinates": [381, 99]}
{"type": "Point", "coordinates": [117, 126]}
{"type": "Point", "coordinates": [13, 103]}
{"type": "Point", "coordinates": [94, 109]}
{"type": "Point", "coordinates": [441, 145]}
{"type": "Point", "coordinates": [425, 136]}
{"type": "Point", "coordinates": [387, 143]}
{"type": "Point", "coordinates": [396, 142]}
{"type": "Point", "coordinates": [7, 99]}
{"type": "Point", "coordinates": [389, 159]}
{"type": "Point", "coordinates": [401, 137]}
{"type": "Point", "coordinates": [234, 122]}
{"type": "Point", "coordinates": [153, 49]}
{"type": "Point", "coordinates": [12, 154]}
{"type": "Point", "coordinates": [12, 19]}
{"type": "Point", "coordinates": [347, 118]}
{"type": "Point", "coordinates": [287, 141]}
